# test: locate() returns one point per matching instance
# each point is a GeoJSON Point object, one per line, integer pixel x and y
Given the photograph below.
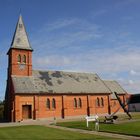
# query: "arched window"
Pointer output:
{"type": "Point", "coordinates": [19, 58]}
{"type": "Point", "coordinates": [97, 102]}
{"type": "Point", "coordinates": [53, 103]}
{"type": "Point", "coordinates": [24, 59]}
{"type": "Point", "coordinates": [102, 102]}
{"type": "Point", "coordinates": [75, 103]}
{"type": "Point", "coordinates": [48, 103]}
{"type": "Point", "coordinates": [79, 103]}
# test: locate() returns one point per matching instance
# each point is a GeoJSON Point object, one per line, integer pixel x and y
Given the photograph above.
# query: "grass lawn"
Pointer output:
{"type": "Point", "coordinates": [131, 128]}
{"type": "Point", "coordinates": [44, 133]}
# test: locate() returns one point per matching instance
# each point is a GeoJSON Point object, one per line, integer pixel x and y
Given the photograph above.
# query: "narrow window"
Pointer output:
{"type": "Point", "coordinates": [102, 102]}
{"type": "Point", "coordinates": [97, 102]}
{"type": "Point", "coordinates": [75, 103]}
{"type": "Point", "coordinates": [79, 103]}
{"type": "Point", "coordinates": [53, 103]}
{"type": "Point", "coordinates": [48, 103]}
{"type": "Point", "coordinates": [19, 58]}
{"type": "Point", "coordinates": [24, 59]}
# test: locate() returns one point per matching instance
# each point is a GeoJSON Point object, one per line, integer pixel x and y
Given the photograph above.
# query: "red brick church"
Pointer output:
{"type": "Point", "coordinates": [34, 94]}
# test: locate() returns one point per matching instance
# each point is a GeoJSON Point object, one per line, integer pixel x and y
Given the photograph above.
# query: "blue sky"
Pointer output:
{"type": "Point", "coordinates": [99, 36]}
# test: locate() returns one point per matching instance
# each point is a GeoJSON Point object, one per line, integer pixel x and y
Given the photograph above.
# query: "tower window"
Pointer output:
{"type": "Point", "coordinates": [19, 58]}
{"type": "Point", "coordinates": [24, 59]}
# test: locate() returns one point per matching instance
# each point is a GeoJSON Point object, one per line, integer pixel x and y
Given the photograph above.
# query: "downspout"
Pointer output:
{"type": "Point", "coordinates": [88, 109]}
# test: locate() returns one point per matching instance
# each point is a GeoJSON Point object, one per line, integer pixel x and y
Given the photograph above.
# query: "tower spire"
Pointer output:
{"type": "Point", "coordinates": [20, 38]}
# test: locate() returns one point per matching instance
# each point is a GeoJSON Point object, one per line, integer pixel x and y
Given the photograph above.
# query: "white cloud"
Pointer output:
{"type": "Point", "coordinates": [112, 61]}
{"type": "Point", "coordinates": [132, 72]}
{"type": "Point", "coordinates": [61, 23]}
{"type": "Point", "coordinates": [131, 82]}
{"type": "Point", "coordinates": [76, 33]}
{"type": "Point", "coordinates": [54, 60]}
{"type": "Point", "coordinates": [106, 61]}
{"type": "Point", "coordinates": [132, 86]}
{"type": "Point", "coordinates": [99, 12]}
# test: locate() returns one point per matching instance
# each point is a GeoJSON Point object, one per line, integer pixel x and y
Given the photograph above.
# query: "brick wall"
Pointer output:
{"type": "Point", "coordinates": [114, 104]}
{"type": "Point", "coordinates": [64, 106]}
{"type": "Point", "coordinates": [75, 110]}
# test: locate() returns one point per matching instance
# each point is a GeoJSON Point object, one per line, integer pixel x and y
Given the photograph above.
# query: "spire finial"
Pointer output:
{"type": "Point", "coordinates": [20, 11]}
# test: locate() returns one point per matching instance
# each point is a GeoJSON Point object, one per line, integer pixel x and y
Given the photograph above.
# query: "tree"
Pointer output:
{"type": "Point", "coordinates": [1, 109]}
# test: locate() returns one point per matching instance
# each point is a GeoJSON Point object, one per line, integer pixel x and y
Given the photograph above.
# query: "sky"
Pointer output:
{"type": "Point", "coordinates": [96, 36]}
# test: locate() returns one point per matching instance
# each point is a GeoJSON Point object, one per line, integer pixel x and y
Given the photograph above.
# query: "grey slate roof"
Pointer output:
{"type": "Point", "coordinates": [59, 82]}
{"type": "Point", "coordinates": [20, 38]}
{"type": "Point", "coordinates": [114, 86]}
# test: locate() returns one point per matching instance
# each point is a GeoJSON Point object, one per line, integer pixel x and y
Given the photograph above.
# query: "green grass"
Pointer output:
{"type": "Point", "coordinates": [44, 133]}
{"type": "Point", "coordinates": [131, 128]}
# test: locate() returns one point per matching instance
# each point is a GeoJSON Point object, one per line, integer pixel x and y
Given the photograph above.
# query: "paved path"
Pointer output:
{"type": "Point", "coordinates": [47, 124]}
{"type": "Point", "coordinates": [28, 122]}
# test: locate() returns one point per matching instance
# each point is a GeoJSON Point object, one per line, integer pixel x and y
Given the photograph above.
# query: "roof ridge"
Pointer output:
{"type": "Point", "coordinates": [66, 71]}
{"type": "Point", "coordinates": [109, 80]}
{"type": "Point", "coordinates": [106, 85]}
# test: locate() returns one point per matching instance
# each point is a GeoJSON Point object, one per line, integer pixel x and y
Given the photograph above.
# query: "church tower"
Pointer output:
{"type": "Point", "coordinates": [19, 64]}
{"type": "Point", "coordinates": [20, 52]}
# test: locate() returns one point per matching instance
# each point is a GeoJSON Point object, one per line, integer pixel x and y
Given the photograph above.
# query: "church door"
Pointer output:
{"type": "Point", "coordinates": [26, 111]}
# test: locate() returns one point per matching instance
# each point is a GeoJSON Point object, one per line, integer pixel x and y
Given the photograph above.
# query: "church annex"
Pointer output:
{"type": "Point", "coordinates": [34, 94]}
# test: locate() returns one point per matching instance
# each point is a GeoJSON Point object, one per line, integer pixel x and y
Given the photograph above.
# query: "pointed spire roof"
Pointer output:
{"type": "Point", "coordinates": [20, 38]}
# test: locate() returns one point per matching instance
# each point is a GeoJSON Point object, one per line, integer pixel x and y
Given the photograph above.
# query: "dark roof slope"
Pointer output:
{"type": "Point", "coordinates": [114, 86]}
{"type": "Point", "coordinates": [59, 82]}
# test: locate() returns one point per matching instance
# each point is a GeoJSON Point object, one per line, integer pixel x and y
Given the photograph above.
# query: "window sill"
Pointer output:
{"type": "Point", "coordinates": [51, 109]}
{"type": "Point", "coordinates": [77, 108]}
{"type": "Point", "coordinates": [99, 106]}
